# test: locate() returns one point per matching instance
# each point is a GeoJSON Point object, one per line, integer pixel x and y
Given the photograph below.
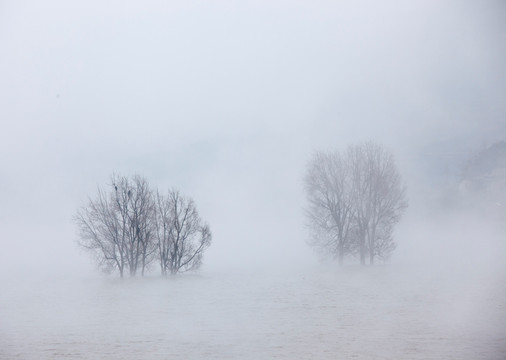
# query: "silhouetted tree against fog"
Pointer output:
{"type": "Point", "coordinates": [102, 232]}
{"type": "Point", "coordinates": [379, 198]}
{"type": "Point", "coordinates": [129, 227]}
{"type": "Point", "coordinates": [355, 199]}
{"type": "Point", "coordinates": [328, 186]}
{"type": "Point", "coordinates": [117, 227]}
{"type": "Point", "coordinates": [133, 200]}
{"type": "Point", "coordinates": [182, 237]}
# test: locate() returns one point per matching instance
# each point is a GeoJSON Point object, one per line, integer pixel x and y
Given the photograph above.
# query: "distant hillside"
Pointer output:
{"type": "Point", "coordinates": [483, 184]}
{"type": "Point", "coordinates": [453, 157]}
{"type": "Point", "coordinates": [486, 161]}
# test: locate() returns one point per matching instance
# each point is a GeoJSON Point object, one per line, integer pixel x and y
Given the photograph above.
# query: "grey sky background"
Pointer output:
{"type": "Point", "coordinates": [226, 101]}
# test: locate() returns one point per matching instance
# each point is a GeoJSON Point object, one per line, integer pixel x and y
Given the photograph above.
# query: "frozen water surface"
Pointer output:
{"type": "Point", "coordinates": [383, 312]}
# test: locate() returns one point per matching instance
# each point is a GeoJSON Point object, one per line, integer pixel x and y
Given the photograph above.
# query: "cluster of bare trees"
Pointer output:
{"type": "Point", "coordinates": [131, 226]}
{"type": "Point", "coordinates": [355, 198]}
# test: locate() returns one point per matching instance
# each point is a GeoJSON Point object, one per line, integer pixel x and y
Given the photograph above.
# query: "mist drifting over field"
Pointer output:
{"type": "Point", "coordinates": [227, 102]}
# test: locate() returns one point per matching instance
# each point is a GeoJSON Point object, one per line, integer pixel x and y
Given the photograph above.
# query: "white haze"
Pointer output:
{"type": "Point", "coordinates": [226, 101]}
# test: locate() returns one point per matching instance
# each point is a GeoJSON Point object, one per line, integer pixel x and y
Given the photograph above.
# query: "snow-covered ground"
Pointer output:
{"type": "Point", "coordinates": [381, 312]}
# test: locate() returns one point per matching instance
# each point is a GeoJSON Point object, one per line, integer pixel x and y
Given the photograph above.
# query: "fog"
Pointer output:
{"type": "Point", "coordinates": [226, 101]}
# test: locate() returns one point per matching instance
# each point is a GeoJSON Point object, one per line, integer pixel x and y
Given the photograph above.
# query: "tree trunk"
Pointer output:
{"type": "Point", "coordinates": [371, 258]}
{"type": "Point", "coordinates": [143, 262]}
{"type": "Point", "coordinates": [340, 256]}
{"type": "Point", "coordinates": [362, 257]}
{"type": "Point", "coordinates": [363, 249]}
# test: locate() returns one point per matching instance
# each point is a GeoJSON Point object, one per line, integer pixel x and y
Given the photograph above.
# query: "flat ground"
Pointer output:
{"type": "Point", "coordinates": [382, 312]}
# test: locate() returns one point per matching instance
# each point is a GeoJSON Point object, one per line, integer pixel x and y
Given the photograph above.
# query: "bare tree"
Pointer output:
{"type": "Point", "coordinates": [328, 189]}
{"type": "Point", "coordinates": [129, 227]}
{"type": "Point", "coordinates": [163, 226]}
{"type": "Point", "coordinates": [181, 235]}
{"type": "Point", "coordinates": [118, 226]}
{"type": "Point", "coordinates": [134, 206]}
{"type": "Point", "coordinates": [361, 206]}
{"type": "Point", "coordinates": [379, 197]}
{"type": "Point", "coordinates": [101, 232]}
{"type": "Point", "coordinates": [355, 200]}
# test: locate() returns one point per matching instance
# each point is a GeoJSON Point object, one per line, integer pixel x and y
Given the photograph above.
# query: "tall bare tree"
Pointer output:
{"type": "Point", "coordinates": [361, 197]}
{"type": "Point", "coordinates": [379, 197]}
{"type": "Point", "coordinates": [355, 199]}
{"type": "Point", "coordinates": [118, 226]}
{"type": "Point", "coordinates": [163, 227]}
{"type": "Point", "coordinates": [102, 232]}
{"type": "Point", "coordinates": [328, 188]}
{"type": "Point", "coordinates": [134, 203]}
{"type": "Point", "coordinates": [182, 237]}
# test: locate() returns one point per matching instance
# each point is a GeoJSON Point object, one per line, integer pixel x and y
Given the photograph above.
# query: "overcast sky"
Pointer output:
{"type": "Point", "coordinates": [226, 101]}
